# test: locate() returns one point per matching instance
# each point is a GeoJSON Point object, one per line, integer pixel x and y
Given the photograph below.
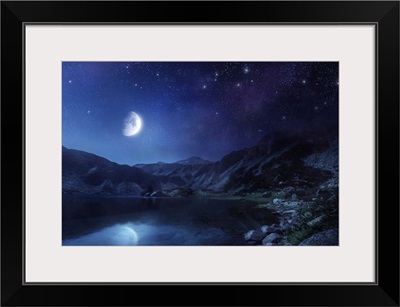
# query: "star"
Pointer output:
{"type": "Point", "coordinates": [246, 70]}
{"type": "Point", "coordinates": [70, 81]}
{"type": "Point", "coordinates": [304, 81]}
{"type": "Point", "coordinates": [135, 84]}
{"type": "Point", "coordinates": [238, 84]}
{"type": "Point", "coordinates": [283, 117]}
{"type": "Point", "coordinates": [88, 111]}
{"type": "Point", "coordinates": [204, 86]}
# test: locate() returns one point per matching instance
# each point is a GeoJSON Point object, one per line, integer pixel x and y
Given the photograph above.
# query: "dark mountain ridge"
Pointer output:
{"type": "Point", "coordinates": [90, 174]}
{"type": "Point", "coordinates": [280, 159]}
{"type": "Point", "coordinates": [194, 161]}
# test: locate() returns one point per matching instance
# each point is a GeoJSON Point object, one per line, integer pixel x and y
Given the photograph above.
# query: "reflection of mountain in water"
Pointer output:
{"type": "Point", "coordinates": [99, 220]}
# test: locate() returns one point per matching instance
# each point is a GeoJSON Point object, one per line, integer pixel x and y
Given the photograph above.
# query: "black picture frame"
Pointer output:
{"type": "Point", "coordinates": [383, 14]}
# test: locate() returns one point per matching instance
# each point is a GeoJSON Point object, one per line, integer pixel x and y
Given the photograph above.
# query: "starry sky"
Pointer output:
{"type": "Point", "coordinates": [205, 109]}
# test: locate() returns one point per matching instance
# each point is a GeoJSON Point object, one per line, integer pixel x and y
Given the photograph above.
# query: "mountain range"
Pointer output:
{"type": "Point", "coordinates": [281, 159]}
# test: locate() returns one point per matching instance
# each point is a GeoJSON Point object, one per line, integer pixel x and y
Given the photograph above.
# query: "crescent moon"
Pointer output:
{"type": "Point", "coordinates": [132, 124]}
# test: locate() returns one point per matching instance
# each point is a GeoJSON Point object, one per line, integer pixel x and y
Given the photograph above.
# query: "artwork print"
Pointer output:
{"type": "Point", "coordinates": [200, 153]}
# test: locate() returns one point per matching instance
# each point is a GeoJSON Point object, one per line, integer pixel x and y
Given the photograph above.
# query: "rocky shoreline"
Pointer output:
{"type": "Point", "coordinates": [307, 220]}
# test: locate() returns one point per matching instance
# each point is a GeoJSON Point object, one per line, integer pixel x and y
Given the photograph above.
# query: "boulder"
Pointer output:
{"type": "Point", "coordinates": [265, 228]}
{"type": "Point", "coordinates": [271, 238]}
{"type": "Point", "coordinates": [277, 201]}
{"type": "Point", "coordinates": [292, 203]}
{"type": "Point", "coordinates": [293, 220]}
{"type": "Point", "coordinates": [254, 235]}
{"type": "Point", "coordinates": [326, 238]}
{"type": "Point", "coordinates": [317, 220]}
{"type": "Point", "coordinates": [289, 212]}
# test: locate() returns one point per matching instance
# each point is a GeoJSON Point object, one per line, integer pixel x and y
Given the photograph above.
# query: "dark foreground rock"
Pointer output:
{"type": "Point", "coordinates": [325, 238]}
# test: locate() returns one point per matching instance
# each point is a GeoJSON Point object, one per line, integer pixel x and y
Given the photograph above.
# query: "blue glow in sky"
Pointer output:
{"type": "Point", "coordinates": [205, 109]}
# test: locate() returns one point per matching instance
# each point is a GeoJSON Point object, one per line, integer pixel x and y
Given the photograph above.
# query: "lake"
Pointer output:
{"type": "Point", "coordinates": [159, 221]}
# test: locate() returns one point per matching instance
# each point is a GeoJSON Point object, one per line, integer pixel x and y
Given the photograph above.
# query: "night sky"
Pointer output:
{"type": "Point", "coordinates": [205, 109]}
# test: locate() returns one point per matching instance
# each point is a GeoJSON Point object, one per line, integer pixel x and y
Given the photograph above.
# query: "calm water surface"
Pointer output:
{"type": "Point", "coordinates": [159, 221]}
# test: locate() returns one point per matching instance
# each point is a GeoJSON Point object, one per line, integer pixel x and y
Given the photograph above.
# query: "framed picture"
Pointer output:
{"type": "Point", "coordinates": [243, 146]}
